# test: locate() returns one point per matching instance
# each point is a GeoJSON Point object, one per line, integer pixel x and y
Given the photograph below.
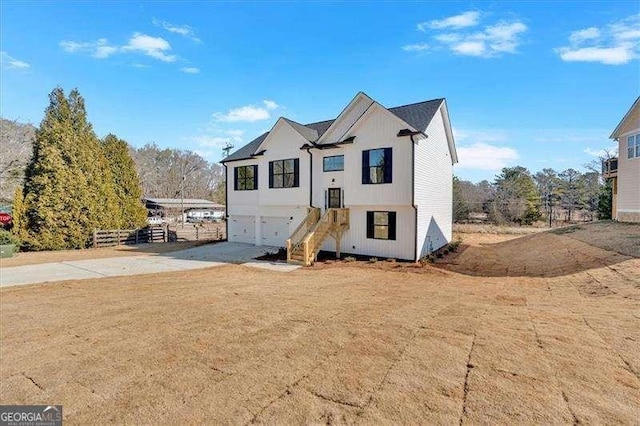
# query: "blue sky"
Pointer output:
{"type": "Point", "coordinates": [540, 84]}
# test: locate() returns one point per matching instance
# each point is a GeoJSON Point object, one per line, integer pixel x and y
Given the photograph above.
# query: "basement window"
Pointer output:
{"type": "Point", "coordinates": [381, 225]}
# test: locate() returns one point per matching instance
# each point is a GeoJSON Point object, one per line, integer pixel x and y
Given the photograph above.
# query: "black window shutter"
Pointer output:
{"type": "Point", "coordinates": [388, 165]}
{"type": "Point", "coordinates": [270, 174]}
{"type": "Point", "coordinates": [235, 178]}
{"type": "Point", "coordinates": [370, 228]}
{"type": "Point", "coordinates": [255, 177]}
{"type": "Point", "coordinates": [366, 177]}
{"type": "Point", "coordinates": [296, 172]}
{"type": "Point", "coordinates": [392, 225]}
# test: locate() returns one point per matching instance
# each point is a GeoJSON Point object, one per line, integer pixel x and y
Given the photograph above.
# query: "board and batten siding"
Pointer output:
{"type": "Point", "coordinates": [378, 128]}
{"type": "Point", "coordinates": [355, 240]}
{"type": "Point", "coordinates": [433, 188]}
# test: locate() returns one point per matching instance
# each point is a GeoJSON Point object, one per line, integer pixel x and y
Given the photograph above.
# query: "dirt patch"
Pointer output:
{"type": "Point", "coordinates": [545, 254]}
{"type": "Point", "coordinates": [620, 237]}
{"type": "Point", "coordinates": [37, 257]}
{"type": "Point", "coordinates": [344, 343]}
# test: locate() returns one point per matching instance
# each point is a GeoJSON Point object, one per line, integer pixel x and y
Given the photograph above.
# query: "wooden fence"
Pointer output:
{"type": "Point", "coordinates": [115, 237]}
{"type": "Point", "coordinates": [159, 234]}
{"type": "Point", "coordinates": [208, 232]}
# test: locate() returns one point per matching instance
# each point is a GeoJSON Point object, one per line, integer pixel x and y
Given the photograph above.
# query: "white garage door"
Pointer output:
{"type": "Point", "coordinates": [275, 231]}
{"type": "Point", "coordinates": [242, 229]}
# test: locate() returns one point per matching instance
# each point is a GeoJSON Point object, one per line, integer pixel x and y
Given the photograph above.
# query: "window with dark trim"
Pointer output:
{"type": "Point", "coordinates": [245, 178]}
{"type": "Point", "coordinates": [284, 173]}
{"type": "Point", "coordinates": [377, 166]}
{"type": "Point", "coordinates": [381, 225]}
{"type": "Point", "coordinates": [334, 163]}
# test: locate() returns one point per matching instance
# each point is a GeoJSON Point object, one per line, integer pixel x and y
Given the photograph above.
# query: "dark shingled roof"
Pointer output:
{"type": "Point", "coordinates": [417, 115]}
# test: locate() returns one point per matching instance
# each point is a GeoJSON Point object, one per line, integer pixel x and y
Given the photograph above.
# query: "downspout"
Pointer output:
{"type": "Point", "coordinates": [413, 200]}
{"type": "Point", "coordinates": [226, 201]}
{"type": "Point", "coordinates": [310, 176]}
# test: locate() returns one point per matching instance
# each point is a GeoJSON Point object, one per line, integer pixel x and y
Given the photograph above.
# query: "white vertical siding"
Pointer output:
{"type": "Point", "coordinates": [355, 239]}
{"type": "Point", "coordinates": [377, 129]}
{"type": "Point", "coordinates": [433, 188]}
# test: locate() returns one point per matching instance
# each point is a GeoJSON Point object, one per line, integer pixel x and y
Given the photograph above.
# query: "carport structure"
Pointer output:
{"type": "Point", "coordinates": [174, 207]}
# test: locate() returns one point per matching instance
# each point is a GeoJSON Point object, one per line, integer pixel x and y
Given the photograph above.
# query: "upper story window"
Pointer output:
{"type": "Point", "coordinates": [284, 173]}
{"type": "Point", "coordinates": [377, 165]}
{"type": "Point", "coordinates": [633, 146]}
{"type": "Point", "coordinates": [245, 178]}
{"type": "Point", "coordinates": [333, 164]}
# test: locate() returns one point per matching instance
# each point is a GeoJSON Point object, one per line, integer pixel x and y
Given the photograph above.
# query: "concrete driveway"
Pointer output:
{"type": "Point", "coordinates": [206, 256]}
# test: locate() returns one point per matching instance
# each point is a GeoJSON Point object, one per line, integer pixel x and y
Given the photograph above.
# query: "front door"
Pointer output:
{"type": "Point", "coordinates": [335, 198]}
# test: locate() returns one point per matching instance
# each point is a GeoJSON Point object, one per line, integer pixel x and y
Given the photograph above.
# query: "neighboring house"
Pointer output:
{"type": "Point", "coordinates": [375, 181]}
{"type": "Point", "coordinates": [624, 171]}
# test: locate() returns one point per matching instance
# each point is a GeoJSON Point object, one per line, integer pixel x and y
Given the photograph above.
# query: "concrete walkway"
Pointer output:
{"type": "Point", "coordinates": [194, 258]}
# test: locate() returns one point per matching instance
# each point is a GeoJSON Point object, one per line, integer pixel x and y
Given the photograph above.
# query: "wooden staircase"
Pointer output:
{"type": "Point", "coordinates": [305, 242]}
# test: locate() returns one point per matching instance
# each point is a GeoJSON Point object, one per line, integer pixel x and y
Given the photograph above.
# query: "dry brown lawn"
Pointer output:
{"type": "Point", "coordinates": [546, 330]}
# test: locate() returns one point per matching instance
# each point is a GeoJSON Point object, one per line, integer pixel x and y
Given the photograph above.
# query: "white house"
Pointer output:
{"type": "Point", "coordinates": [624, 171]}
{"type": "Point", "coordinates": [374, 181]}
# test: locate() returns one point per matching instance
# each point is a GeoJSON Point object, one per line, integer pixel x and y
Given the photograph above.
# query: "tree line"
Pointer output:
{"type": "Point", "coordinates": [516, 196]}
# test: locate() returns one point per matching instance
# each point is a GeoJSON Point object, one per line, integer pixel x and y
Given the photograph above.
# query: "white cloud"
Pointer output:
{"type": "Point", "coordinates": [463, 20]}
{"type": "Point", "coordinates": [270, 104]}
{"type": "Point", "coordinates": [602, 152]}
{"type": "Point", "coordinates": [190, 70]}
{"type": "Point", "coordinates": [99, 49]}
{"type": "Point", "coordinates": [618, 43]}
{"type": "Point", "coordinates": [247, 113]}
{"type": "Point", "coordinates": [583, 35]}
{"type": "Point", "coordinates": [183, 30]}
{"type": "Point", "coordinates": [10, 62]}
{"type": "Point", "coordinates": [483, 156]}
{"type": "Point", "coordinates": [155, 47]}
{"type": "Point", "coordinates": [418, 47]}
{"type": "Point", "coordinates": [492, 40]}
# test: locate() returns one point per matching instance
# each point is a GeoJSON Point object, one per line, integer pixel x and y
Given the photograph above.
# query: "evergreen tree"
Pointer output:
{"type": "Point", "coordinates": [102, 203]}
{"type": "Point", "coordinates": [68, 188]}
{"type": "Point", "coordinates": [461, 207]}
{"type": "Point", "coordinates": [605, 201]}
{"type": "Point", "coordinates": [517, 199]}
{"type": "Point", "coordinates": [126, 183]}
{"type": "Point", "coordinates": [18, 214]}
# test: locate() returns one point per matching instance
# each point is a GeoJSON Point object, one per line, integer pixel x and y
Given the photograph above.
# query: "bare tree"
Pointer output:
{"type": "Point", "coordinates": [16, 140]}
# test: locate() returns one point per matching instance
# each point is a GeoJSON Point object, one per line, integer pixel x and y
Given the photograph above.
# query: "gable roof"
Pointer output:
{"type": "Point", "coordinates": [629, 113]}
{"type": "Point", "coordinates": [417, 115]}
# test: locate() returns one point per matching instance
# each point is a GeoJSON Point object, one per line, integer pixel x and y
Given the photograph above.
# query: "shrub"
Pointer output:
{"type": "Point", "coordinates": [7, 237]}
{"type": "Point", "coordinates": [373, 259]}
{"type": "Point", "coordinates": [454, 245]}
{"type": "Point", "coordinates": [426, 259]}
{"type": "Point", "coordinates": [349, 259]}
